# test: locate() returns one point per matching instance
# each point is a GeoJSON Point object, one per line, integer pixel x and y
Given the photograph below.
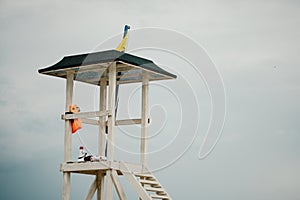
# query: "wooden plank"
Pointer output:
{"type": "Point", "coordinates": [149, 182]}
{"type": "Point", "coordinates": [102, 120]}
{"type": "Point", "coordinates": [90, 121]}
{"type": "Point", "coordinates": [98, 166]}
{"type": "Point", "coordinates": [84, 115]}
{"type": "Point", "coordinates": [109, 186]}
{"type": "Point", "coordinates": [164, 197]}
{"type": "Point", "coordinates": [134, 183]}
{"type": "Point", "coordinates": [152, 189]}
{"type": "Point", "coordinates": [111, 124]}
{"type": "Point", "coordinates": [111, 109]}
{"type": "Point", "coordinates": [145, 108]}
{"type": "Point", "coordinates": [92, 190]}
{"type": "Point", "coordinates": [68, 132]}
{"type": "Point", "coordinates": [67, 137]}
{"type": "Point", "coordinates": [144, 175]}
{"type": "Point", "coordinates": [100, 191]}
{"type": "Point", "coordinates": [127, 122]}
{"type": "Point", "coordinates": [102, 133]}
{"type": "Point", "coordinates": [66, 186]}
{"type": "Point", "coordinates": [118, 185]}
{"type": "Point", "coordinates": [85, 166]}
{"type": "Point", "coordinates": [118, 122]}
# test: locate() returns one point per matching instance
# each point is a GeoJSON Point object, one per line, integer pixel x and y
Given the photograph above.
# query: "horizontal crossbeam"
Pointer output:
{"type": "Point", "coordinates": [84, 115]}
{"type": "Point", "coordinates": [128, 122]}
{"type": "Point", "coordinates": [118, 122]}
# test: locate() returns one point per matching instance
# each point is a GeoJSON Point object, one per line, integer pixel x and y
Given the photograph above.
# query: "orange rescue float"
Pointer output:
{"type": "Point", "coordinates": [75, 123]}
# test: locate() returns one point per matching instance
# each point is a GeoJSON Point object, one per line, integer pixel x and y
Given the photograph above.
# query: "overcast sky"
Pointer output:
{"type": "Point", "coordinates": [254, 45]}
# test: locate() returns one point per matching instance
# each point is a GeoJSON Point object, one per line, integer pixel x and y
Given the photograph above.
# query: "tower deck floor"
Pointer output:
{"type": "Point", "coordinates": [97, 167]}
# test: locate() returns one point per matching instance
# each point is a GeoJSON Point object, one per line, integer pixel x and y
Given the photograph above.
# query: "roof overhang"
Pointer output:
{"type": "Point", "coordinates": [91, 68]}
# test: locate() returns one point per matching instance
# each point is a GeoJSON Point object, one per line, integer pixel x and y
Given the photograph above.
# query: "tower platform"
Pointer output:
{"type": "Point", "coordinates": [138, 176]}
{"type": "Point", "coordinates": [95, 167]}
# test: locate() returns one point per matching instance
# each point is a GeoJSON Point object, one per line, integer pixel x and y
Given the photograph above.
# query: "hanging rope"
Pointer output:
{"type": "Point", "coordinates": [83, 144]}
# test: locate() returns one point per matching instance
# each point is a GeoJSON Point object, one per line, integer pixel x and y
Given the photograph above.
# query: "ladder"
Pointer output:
{"type": "Point", "coordinates": [145, 184]}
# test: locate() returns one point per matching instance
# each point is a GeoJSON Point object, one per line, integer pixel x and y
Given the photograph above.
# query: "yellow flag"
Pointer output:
{"type": "Point", "coordinates": [122, 46]}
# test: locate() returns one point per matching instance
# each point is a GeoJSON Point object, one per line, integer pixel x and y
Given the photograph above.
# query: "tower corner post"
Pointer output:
{"type": "Point", "coordinates": [102, 133]}
{"type": "Point", "coordinates": [144, 116]}
{"type": "Point", "coordinates": [67, 137]}
{"type": "Point", "coordinates": [111, 125]}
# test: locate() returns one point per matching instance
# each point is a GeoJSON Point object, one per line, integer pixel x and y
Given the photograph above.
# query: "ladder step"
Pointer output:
{"type": "Point", "coordinates": [148, 182]}
{"type": "Point", "coordinates": [144, 175]}
{"type": "Point", "coordinates": [148, 178]}
{"type": "Point", "coordinates": [159, 197]}
{"type": "Point", "coordinates": [151, 189]}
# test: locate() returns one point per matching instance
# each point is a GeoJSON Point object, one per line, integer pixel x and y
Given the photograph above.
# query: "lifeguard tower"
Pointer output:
{"type": "Point", "coordinates": [108, 69]}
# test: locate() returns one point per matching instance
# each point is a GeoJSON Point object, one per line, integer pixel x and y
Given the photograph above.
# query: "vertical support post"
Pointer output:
{"type": "Point", "coordinates": [102, 120]}
{"type": "Point", "coordinates": [144, 117]}
{"type": "Point", "coordinates": [109, 185]}
{"type": "Point", "coordinates": [68, 137]}
{"type": "Point", "coordinates": [111, 110]}
{"type": "Point", "coordinates": [111, 125]}
{"type": "Point", "coordinates": [100, 191]}
{"type": "Point", "coordinates": [102, 134]}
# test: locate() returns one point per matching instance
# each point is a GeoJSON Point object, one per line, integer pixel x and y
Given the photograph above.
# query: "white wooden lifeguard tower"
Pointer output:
{"type": "Point", "coordinates": [107, 69]}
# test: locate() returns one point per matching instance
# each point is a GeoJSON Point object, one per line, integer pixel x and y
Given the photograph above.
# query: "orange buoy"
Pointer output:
{"type": "Point", "coordinates": [75, 123]}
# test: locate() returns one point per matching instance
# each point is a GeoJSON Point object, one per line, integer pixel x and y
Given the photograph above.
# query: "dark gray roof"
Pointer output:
{"type": "Point", "coordinates": [90, 67]}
